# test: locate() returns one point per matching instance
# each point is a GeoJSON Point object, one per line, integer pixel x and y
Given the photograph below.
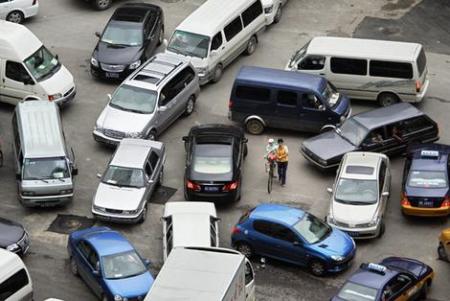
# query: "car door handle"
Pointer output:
{"type": "Point", "coordinates": [322, 73]}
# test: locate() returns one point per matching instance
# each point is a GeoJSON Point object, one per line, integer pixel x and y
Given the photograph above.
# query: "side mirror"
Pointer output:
{"type": "Point", "coordinates": [57, 57]}
{"type": "Point", "coordinates": [296, 243]}
{"type": "Point", "coordinates": [165, 42]}
{"type": "Point", "coordinates": [97, 34]}
{"type": "Point", "coordinates": [162, 108]}
{"type": "Point", "coordinates": [99, 175]}
{"type": "Point", "coordinates": [147, 262]}
{"type": "Point", "coordinates": [386, 193]}
{"type": "Point", "coordinates": [213, 53]}
{"type": "Point", "coordinates": [96, 273]}
{"type": "Point", "coordinates": [18, 176]}
{"type": "Point", "coordinates": [150, 181]}
{"type": "Point", "coordinates": [185, 138]}
{"type": "Point", "coordinates": [74, 171]}
{"type": "Point", "coordinates": [27, 80]}
{"type": "Point", "coordinates": [245, 140]}
{"type": "Point", "coordinates": [109, 97]}
{"type": "Point", "coordinates": [330, 190]}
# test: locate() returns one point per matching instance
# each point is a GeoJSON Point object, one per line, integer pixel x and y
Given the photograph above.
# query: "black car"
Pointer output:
{"type": "Point", "coordinates": [13, 237]}
{"type": "Point", "coordinates": [128, 40]}
{"type": "Point", "coordinates": [215, 154]}
{"type": "Point", "coordinates": [388, 130]}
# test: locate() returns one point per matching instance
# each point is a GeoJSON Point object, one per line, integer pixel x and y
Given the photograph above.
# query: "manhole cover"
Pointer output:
{"type": "Point", "coordinates": [66, 224]}
{"type": "Point", "coordinates": [162, 194]}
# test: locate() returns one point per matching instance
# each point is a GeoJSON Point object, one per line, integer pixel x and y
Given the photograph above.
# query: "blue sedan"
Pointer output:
{"type": "Point", "coordinates": [109, 264]}
{"type": "Point", "coordinates": [295, 236]}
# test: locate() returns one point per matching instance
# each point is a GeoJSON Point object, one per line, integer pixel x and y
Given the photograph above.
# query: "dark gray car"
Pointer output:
{"type": "Point", "coordinates": [13, 237]}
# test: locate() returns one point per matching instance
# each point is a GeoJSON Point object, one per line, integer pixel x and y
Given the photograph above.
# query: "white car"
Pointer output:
{"type": "Point", "coordinates": [189, 224]}
{"type": "Point", "coordinates": [18, 10]}
{"type": "Point", "coordinates": [273, 10]}
{"type": "Point", "coordinates": [360, 194]}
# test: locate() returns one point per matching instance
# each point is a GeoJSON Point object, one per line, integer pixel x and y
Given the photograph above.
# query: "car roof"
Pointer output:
{"type": "Point", "coordinates": [361, 159]}
{"type": "Point", "coordinates": [386, 115]}
{"type": "Point", "coordinates": [216, 129]}
{"type": "Point", "coordinates": [133, 12]}
{"type": "Point", "coordinates": [108, 242]}
{"type": "Point", "coordinates": [188, 208]}
{"type": "Point", "coordinates": [280, 78]}
{"type": "Point", "coordinates": [372, 279]}
{"type": "Point", "coordinates": [423, 158]}
{"type": "Point", "coordinates": [134, 152]}
{"type": "Point", "coordinates": [16, 41]}
{"type": "Point", "coordinates": [281, 214]}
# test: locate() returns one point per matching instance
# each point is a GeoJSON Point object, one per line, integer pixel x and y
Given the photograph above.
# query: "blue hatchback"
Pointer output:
{"type": "Point", "coordinates": [293, 235]}
{"type": "Point", "coordinates": [109, 264]}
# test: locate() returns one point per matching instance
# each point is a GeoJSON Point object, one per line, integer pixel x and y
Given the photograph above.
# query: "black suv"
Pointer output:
{"type": "Point", "coordinates": [128, 40]}
{"type": "Point", "coordinates": [388, 130]}
{"type": "Point", "coordinates": [215, 154]}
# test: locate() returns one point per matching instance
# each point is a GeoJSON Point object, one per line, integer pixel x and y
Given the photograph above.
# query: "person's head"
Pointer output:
{"type": "Point", "coordinates": [270, 141]}
{"type": "Point", "coordinates": [280, 141]}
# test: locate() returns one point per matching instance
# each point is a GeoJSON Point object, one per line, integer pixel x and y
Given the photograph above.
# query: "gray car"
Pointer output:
{"type": "Point", "coordinates": [133, 173]}
{"type": "Point", "coordinates": [149, 100]}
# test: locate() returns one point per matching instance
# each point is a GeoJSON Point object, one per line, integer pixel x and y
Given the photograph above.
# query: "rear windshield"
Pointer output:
{"type": "Point", "coordinates": [213, 159]}
{"type": "Point", "coordinates": [421, 62]}
{"type": "Point", "coordinates": [427, 179]}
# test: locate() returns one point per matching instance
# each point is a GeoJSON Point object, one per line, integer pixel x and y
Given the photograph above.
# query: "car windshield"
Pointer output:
{"type": "Point", "coordinates": [45, 168]}
{"type": "Point", "coordinates": [312, 229]}
{"type": "Point", "coordinates": [133, 99]}
{"type": "Point", "coordinates": [123, 34]}
{"type": "Point", "coordinates": [356, 192]}
{"type": "Point", "coordinates": [330, 95]}
{"type": "Point", "coordinates": [298, 55]}
{"type": "Point", "coordinates": [212, 159]}
{"type": "Point", "coordinates": [353, 131]}
{"type": "Point", "coordinates": [189, 44]}
{"type": "Point", "coordinates": [42, 64]}
{"type": "Point", "coordinates": [356, 292]}
{"type": "Point", "coordinates": [427, 179]}
{"type": "Point", "coordinates": [123, 176]}
{"type": "Point", "coordinates": [122, 265]}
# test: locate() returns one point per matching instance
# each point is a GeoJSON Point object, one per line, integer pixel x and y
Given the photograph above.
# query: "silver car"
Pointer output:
{"type": "Point", "coordinates": [360, 194]}
{"type": "Point", "coordinates": [149, 100]}
{"type": "Point", "coordinates": [128, 183]}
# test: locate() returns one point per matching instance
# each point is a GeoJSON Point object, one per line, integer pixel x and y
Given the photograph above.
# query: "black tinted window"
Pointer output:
{"type": "Point", "coordinates": [263, 227]}
{"type": "Point", "coordinates": [253, 93]}
{"type": "Point", "coordinates": [391, 69]}
{"type": "Point", "coordinates": [216, 41]}
{"type": "Point", "coordinates": [252, 12]}
{"type": "Point", "coordinates": [312, 62]}
{"type": "Point", "coordinates": [416, 124]}
{"type": "Point", "coordinates": [176, 85]}
{"type": "Point", "coordinates": [283, 233]}
{"type": "Point", "coordinates": [348, 66]}
{"type": "Point", "coordinates": [16, 71]}
{"type": "Point", "coordinates": [233, 28]}
{"type": "Point", "coordinates": [13, 284]}
{"type": "Point", "coordinates": [421, 62]}
{"type": "Point", "coordinates": [287, 98]}
{"type": "Point", "coordinates": [153, 160]}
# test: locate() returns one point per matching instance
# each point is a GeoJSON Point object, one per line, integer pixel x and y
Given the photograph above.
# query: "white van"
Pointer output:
{"type": "Point", "coordinates": [15, 281]}
{"type": "Point", "coordinates": [385, 71]}
{"type": "Point", "coordinates": [27, 68]}
{"type": "Point", "coordinates": [217, 33]}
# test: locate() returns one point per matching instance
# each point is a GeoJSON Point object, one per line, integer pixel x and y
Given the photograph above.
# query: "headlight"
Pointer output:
{"type": "Point", "coordinates": [374, 222]}
{"type": "Point", "coordinates": [94, 62]}
{"type": "Point", "coordinates": [136, 64]}
{"type": "Point", "coordinates": [201, 71]}
{"type": "Point", "coordinates": [98, 208]}
{"type": "Point", "coordinates": [12, 248]}
{"type": "Point", "coordinates": [337, 257]}
{"type": "Point", "coordinates": [54, 96]}
{"type": "Point", "coordinates": [66, 191]}
{"type": "Point", "coordinates": [118, 298]}
{"type": "Point", "coordinates": [268, 9]}
{"type": "Point", "coordinates": [27, 192]}
{"type": "Point", "coordinates": [131, 211]}
{"type": "Point", "coordinates": [134, 135]}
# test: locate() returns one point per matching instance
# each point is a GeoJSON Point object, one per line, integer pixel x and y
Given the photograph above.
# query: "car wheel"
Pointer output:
{"type": "Point", "coordinates": [152, 135]}
{"type": "Point", "coordinates": [218, 71]}
{"type": "Point", "coordinates": [190, 105]}
{"type": "Point", "coordinates": [73, 267]}
{"type": "Point", "coordinates": [161, 36]}
{"type": "Point", "coordinates": [245, 249]}
{"type": "Point", "coordinates": [278, 14]}
{"type": "Point", "coordinates": [317, 268]}
{"type": "Point", "coordinates": [382, 229]}
{"type": "Point", "coordinates": [254, 127]}
{"type": "Point", "coordinates": [441, 252]}
{"type": "Point", "coordinates": [102, 4]}
{"type": "Point", "coordinates": [143, 215]}
{"type": "Point", "coordinates": [251, 45]}
{"type": "Point", "coordinates": [387, 99]}
{"type": "Point", "coordinates": [15, 17]}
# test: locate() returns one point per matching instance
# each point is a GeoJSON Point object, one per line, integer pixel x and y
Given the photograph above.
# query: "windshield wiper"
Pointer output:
{"type": "Point", "coordinates": [38, 179]}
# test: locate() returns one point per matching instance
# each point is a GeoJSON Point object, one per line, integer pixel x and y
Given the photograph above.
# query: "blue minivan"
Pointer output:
{"type": "Point", "coordinates": [263, 97]}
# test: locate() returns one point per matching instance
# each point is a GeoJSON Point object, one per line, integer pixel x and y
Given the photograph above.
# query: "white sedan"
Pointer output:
{"type": "Point", "coordinates": [360, 194]}
{"type": "Point", "coordinates": [18, 10]}
{"type": "Point", "coordinates": [272, 10]}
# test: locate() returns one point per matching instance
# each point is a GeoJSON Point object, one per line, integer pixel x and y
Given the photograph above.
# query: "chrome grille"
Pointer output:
{"type": "Point", "coordinates": [114, 134]}
{"type": "Point", "coordinates": [113, 211]}
{"type": "Point", "coordinates": [112, 68]}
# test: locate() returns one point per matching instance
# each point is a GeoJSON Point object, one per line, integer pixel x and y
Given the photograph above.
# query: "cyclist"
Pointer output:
{"type": "Point", "coordinates": [271, 154]}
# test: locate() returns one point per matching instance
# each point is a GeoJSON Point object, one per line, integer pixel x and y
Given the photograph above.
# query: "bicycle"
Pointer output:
{"type": "Point", "coordinates": [271, 171]}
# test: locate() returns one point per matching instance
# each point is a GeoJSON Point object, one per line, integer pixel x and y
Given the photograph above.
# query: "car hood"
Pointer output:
{"type": "Point", "coordinates": [195, 61]}
{"type": "Point", "coordinates": [60, 82]}
{"type": "Point", "coordinates": [110, 54]}
{"type": "Point", "coordinates": [10, 232]}
{"type": "Point", "coordinates": [120, 198]}
{"type": "Point", "coordinates": [119, 120]}
{"type": "Point", "coordinates": [328, 145]}
{"type": "Point", "coordinates": [337, 243]}
{"type": "Point", "coordinates": [131, 287]}
{"type": "Point", "coordinates": [353, 214]}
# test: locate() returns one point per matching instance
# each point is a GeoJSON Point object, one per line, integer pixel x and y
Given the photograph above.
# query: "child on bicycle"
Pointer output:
{"type": "Point", "coordinates": [271, 154]}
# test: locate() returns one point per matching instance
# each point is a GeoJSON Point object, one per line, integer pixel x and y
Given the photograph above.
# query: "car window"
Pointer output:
{"type": "Point", "coordinates": [233, 28]}
{"type": "Point", "coordinates": [421, 62]}
{"type": "Point", "coordinates": [85, 248]}
{"type": "Point", "coordinates": [123, 265]}
{"type": "Point", "coordinates": [312, 229]}
{"type": "Point", "coordinates": [396, 286]}
{"type": "Point", "coordinates": [284, 233]}
{"type": "Point", "coordinates": [357, 292]}
{"type": "Point", "coordinates": [16, 71]}
{"type": "Point", "coordinates": [252, 13]}
{"type": "Point", "coordinates": [382, 176]}
{"type": "Point", "coordinates": [169, 231]}
{"type": "Point", "coordinates": [176, 85]}
{"type": "Point", "coordinates": [348, 66]}
{"type": "Point", "coordinates": [416, 124]}
{"type": "Point", "coordinates": [133, 99]}
{"type": "Point", "coordinates": [287, 98]}
{"type": "Point", "coordinates": [13, 284]}
{"type": "Point", "coordinates": [391, 69]}
{"type": "Point", "coordinates": [153, 159]}
{"type": "Point", "coordinates": [253, 93]}
{"type": "Point", "coordinates": [310, 101]}
{"type": "Point", "coordinates": [263, 227]}
{"type": "Point", "coordinates": [216, 41]}
{"type": "Point", "coordinates": [93, 260]}
{"type": "Point", "coordinates": [123, 177]}
{"type": "Point", "coordinates": [148, 170]}
{"type": "Point", "coordinates": [356, 191]}
{"type": "Point", "coordinates": [376, 136]}
{"type": "Point", "coordinates": [312, 62]}
{"type": "Point", "coordinates": [213, 231]}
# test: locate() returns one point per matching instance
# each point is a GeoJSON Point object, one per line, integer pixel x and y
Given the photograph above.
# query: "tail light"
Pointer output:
{"type": "Point", "coordinates": [230, 186]}
{"type": "Point", "coordinates": [445, 203]}
{"type": "Point", "coordinates": [418, 86]}
{"type": "Point", "coordinates": [405, 201]}
{"type": "Point", "coordinates": [235, 230]}
{"type": "Point", "coordinates": [193, 186]}
{"type": "Point", "coordinates": [230, 104]}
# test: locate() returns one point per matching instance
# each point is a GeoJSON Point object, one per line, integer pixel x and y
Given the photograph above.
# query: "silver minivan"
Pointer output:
{"type": "Point", "coordinates": [149, 100]}
{"type": "Point", "coordinates": [44, 166]}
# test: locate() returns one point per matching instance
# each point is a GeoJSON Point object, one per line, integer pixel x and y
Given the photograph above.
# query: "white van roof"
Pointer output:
{"type": "Point", "coordinates": [17, 42]}
{"type": "Point", "coordinates": [200, 20]}
{"type": "Point", "coordinates": [364, 48]}
{"type": "Point", "coordinates": [41, 129]}
{"type": "Point", "coordinates": [9, 262]}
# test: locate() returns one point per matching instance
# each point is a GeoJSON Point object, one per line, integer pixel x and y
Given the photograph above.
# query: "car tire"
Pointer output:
{"type": "Point", "coordinates": [190, 106]}
{"type": "Point", "coordinates": [386, 99]}
{"type": "Point", "coordinates": [74, 267]}
{"type": "Point", "coordinates": [245, 249]}
{"type": "Point", "coordinates": [152, 135]}
{"type": "Point", "coordinates": [254, 126]}
{"type": "Point", "coordinates": [143, 215]}
{"type": "Point", "coordinates": [317, 268]}
{"type": "Point", "coordinates": [218, 72]}
{"type": "Point", "coordinates": [161, 36]}
{"type": "Point", "coordinates": [102, 4]}
{"type": "Point", "coordinates": [278, 15]}
{"type": "Point", "coordinates": [441, 252]}
{"type": "Point", "coordinates": [251, 45]}
{"type": "Point", "coordinates": [15, 16]}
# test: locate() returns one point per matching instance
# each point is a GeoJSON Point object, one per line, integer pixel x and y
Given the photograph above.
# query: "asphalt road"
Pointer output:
{"type": "Point", "coordinates": [67, 28]}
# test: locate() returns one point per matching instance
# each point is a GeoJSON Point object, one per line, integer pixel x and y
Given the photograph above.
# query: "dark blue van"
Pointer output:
{"type": "Point", "coordinates": [263, 97]}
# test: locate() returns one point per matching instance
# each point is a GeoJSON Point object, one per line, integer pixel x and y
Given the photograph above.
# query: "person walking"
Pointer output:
{"type": "Point", "coordinates": [282, 161]}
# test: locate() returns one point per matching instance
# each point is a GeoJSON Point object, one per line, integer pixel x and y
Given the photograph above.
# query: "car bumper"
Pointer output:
{"type": "Point", "coordinates": [223, 197]}
{"type": "Point", "coordinates": [117, 218]}
{"type": "Point", "coordinates": [100, 73]}
{"type": "Point", "coordinates": [418, 211]}
{"type": "Point", "coordinates": [68, 97]}
{"type": "Point", "coordinates": [337, 267]}
{"type": "Point", "coordinates": [361, 233]}
{"type": "Point", "coordinates": [317, 164]}
{"type": "Point", "coordinates": [102, 138]}
{"type": "Point", "coordinates": [204, 77]}
{"type": "Point", "coordinates": [45, 201]}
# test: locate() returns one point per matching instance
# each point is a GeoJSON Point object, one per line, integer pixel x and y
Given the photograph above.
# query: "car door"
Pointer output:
{"type": "Point", "coordinates": [312, 64]}
{"type": "Point", "coordinates": [289, 245]}
{"type": "Point", "coordinates": [166, 106]}
{"type": "Point", "coordinates": [155, 163]}
{"type": "Point", "coordinates": [217, 50]}
{"type": "Point", "coordinates": [287, 114]}
{"type": "Point", "coordinates": [89, 266]}
{"type": "Point", "coordinates": [313, 112]}
{"type": "Point", "coordinates": [151, 34]}
{"type": "Point", "coordinates": [184, 86]}
{"type": "Point", "coordinates": [383, 184]}
{"type": "Point", "coordinates": [262, 239]}
{"type": "Point", "coordinates": [233, 44]}
{"type": "Point", "coordinates": [167, 236]}
{"type": "Point", "coordinates": [402, 288]}
{"type": "Point", "coordinates": [395, 141]}
{"type": "Point", "coordinates": [350, 76]}
{"type": "Point", "coordinates": [16, 82]}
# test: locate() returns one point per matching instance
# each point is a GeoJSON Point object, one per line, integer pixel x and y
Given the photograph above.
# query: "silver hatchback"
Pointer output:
{"type": "Point", "coordinates": [149, 100]}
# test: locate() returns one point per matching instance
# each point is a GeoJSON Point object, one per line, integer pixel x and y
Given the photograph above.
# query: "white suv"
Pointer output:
{"type": "Point", "coordinates": [360, 194]}
{"type": "Point", "coordinates": [18, 10]}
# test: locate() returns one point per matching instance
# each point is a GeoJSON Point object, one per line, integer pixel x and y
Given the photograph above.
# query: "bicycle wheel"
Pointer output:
{"type": "Point", "coordinates": [270, 180]}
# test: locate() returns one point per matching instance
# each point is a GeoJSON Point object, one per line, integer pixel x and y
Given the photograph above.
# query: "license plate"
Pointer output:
{"type": "Point", "coordinates": [112, 75]}
{"type": "Point", "coordinates": [426, 204]}
{"type": "Point", "coordinates": [354, 234]}
{"type": "Point", "coordinates": [211, 188]}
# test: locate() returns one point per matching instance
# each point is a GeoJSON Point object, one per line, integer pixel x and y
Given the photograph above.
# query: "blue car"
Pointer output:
{"type": "Point", "coordinates": [295, 236]}
{"type": "Point", "coordinates": [393, 279]}
{"type": "Point", "coordinates": [109, 264]}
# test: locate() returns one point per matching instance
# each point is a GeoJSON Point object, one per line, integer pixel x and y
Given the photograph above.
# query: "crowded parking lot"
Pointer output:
{"type": "Point", "coordinates": [68, 29]}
